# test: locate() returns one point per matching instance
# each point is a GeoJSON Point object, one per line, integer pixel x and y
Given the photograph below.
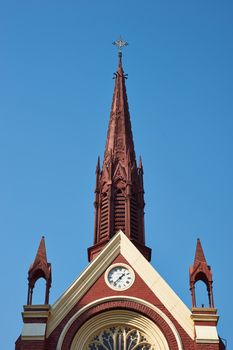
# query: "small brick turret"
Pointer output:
{"type": "Point", "coordinates": [35, 317]}
{"type": "Point", "coordinates": [205, 318]}
{"type": "Point", "coordinates": [200, 271]}
{"type": "Point", "coordinates": [39, 269]}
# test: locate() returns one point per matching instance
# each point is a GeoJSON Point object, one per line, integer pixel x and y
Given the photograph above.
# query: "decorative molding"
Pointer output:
{"type": "Point", "coordinates": [205, 318]}
{"type": "Point", "coordinates": [120, 244]}
{"type": "Point", "coordinates": [41, 307]}
{"type": "Point", "coordinates": [36, 311]}
{"type": "Point", "coordinates": [125, 318]}
{"type": "Point", "coordinates": [127, 336]}
{"type": "Point", "coordinates": [83, 283]}
{"type": "Point", "coordinates": [119, 298]}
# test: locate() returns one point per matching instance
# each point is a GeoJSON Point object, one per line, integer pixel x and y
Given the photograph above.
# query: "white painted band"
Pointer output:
{"type": "Point", "coordinates": [206, 334]}
{"type": "Point", "coordinates": [33, 330]}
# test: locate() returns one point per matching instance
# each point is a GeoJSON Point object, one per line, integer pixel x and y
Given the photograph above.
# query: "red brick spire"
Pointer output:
{"type": "Point", "coordinates": [39, 269]}
{"type": "Point", "coordinates": [199, 255]}
{"type": "Point", "coordinates": [41, 257]}
{"type": "Point", "coordinates": [200, 271]}
{"type": "Point", "coordinates": [119, 195]}
{"type": "Point", "coordinates": [119, 139]}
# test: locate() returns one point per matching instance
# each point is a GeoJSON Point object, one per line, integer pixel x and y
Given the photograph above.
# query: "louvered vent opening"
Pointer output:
{"type": "Point", "coordinates": [134, 217]}
{"type": "Point", "coordinates": [104, 218]}
{"type": "Point", "coordinates": [119, 212]}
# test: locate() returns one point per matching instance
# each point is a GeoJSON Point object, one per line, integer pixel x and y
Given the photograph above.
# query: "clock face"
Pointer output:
{"type": "Point", "coordinates": [119, 276]}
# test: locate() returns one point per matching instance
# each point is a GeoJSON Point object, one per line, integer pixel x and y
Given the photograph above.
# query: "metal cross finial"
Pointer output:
{"type": "Point", "coordinates": [120, 43]}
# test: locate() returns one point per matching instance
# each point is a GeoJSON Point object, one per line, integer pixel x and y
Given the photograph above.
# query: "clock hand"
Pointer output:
{"type": "Point", "coordinates": [119, 278]}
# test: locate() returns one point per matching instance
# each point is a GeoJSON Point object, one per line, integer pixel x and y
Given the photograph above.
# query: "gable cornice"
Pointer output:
{"type": "Point", "coordinates": [120, 244]}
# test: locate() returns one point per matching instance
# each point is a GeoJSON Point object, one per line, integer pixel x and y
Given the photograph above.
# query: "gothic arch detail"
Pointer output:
{"type": "Point", "coordinates": [133, 329]}
{"type": "Point", "coordinates": [120, 337]}
{"type": "Point", "coordinates": [39, 269]}
{"type": "Point", "coordinates": [201, 271]}
{"type": "Point", "coordinates": [90, 316]}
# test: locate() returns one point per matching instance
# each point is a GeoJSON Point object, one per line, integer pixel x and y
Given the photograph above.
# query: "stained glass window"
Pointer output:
{"type": "Point", "coordinates": [120, 338]}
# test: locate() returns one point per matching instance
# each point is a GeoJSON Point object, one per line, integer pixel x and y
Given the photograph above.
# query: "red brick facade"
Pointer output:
{"type": "Point", "coordinates": [100, 290]}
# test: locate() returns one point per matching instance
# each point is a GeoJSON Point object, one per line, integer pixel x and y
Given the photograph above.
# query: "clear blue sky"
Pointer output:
{"type": "Point", "coordinates": [56, 68]}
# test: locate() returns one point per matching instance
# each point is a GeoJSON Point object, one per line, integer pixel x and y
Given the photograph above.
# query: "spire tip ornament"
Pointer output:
{"type": "Point", "coordinates": [120, 43]}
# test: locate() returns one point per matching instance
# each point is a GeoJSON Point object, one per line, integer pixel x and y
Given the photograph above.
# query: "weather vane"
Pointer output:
{"type": "Point", "coordinates": [120, 43]}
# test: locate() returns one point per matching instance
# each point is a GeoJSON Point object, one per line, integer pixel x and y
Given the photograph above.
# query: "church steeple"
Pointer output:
{"type": "Point", "coordinates": [119, 199]}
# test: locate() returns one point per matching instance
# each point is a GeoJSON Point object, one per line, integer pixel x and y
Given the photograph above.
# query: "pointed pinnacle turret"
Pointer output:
{"type": "Point", "coordinates": [200, 271]}
{"type": "Point", "coordinates": [199, 255]}
{"type": "Point", "coordinates": [119, 200]}
{"type": "Point", "coordinates": [40, 261]}
{"type": "Point", "coordinates": [140, 166]}
{"type": "Point", "coordinates": [40, 268]}
{"type": "Point", "coordinates": [98, 165]}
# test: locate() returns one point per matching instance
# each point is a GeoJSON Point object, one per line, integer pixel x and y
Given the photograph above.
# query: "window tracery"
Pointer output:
{"type": "Point", "coordinates": [120, 338]}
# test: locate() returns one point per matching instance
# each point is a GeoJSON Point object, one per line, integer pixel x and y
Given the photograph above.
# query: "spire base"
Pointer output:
{"type": "Point", "coordinates": [94, 251]}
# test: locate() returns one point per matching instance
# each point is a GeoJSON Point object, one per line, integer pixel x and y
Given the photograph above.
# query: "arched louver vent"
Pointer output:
{"type": "Point", "coordinates": [104, 217]}
{"type": "Point", "coordinates": [119, 211]}
{"type": "Point", "coordinates": [134, 217]}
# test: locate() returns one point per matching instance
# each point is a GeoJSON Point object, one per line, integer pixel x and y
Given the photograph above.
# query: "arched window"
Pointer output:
{"type": "Point", "coordinates": [39, 291]}
{"type": "Point", "coordinates": [120, 338]}
{"type": "Point", "coordinates": [119, 330]}
{"type": "Point", "coordinates": [201, 294]}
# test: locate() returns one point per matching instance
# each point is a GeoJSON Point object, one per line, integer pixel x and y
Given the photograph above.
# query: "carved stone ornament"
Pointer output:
{"type": "Point", "coordinates": [120, 338]}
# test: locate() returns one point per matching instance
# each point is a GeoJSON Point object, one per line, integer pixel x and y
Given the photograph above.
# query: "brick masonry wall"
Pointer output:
{"type": "Point", "coordinates": [100, 290]}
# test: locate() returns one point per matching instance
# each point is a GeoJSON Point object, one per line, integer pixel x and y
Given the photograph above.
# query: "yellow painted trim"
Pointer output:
{"type": "Point", "coordinates": [207, 309]}
{"type": "Point", "coordinates": [83, 283]}
{"type": "Point", "coordinates": [118, 298]}
{"type": "Point", "coordinates": [32, 338]}
{"type": "Point", "coordinates": [120, 244]}
{"type": "Point", "coordinates": [110, 318]}
{"type": "Point", "coordinates": [34, 315]}
{"type": "Point", "coordinates": [205, 317]}
{"type": "Point", "coordinates": [36, 307]}
{"type": "Point", "coordinates": [36, 311]}
{"type": "Point", "coordinates": [204, 314]}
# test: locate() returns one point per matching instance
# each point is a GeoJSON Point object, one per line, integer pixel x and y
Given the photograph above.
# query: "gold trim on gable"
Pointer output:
{"type": "Point", "coordinates": [120, 244]}
{"type": "Point", "coordinates": [114, 317]}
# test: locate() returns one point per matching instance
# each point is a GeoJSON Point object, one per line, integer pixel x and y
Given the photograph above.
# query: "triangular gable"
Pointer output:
{"type": "Point", "coordinates": [120, 244]}
{"type": "Point", "coordinates": [119, 173]}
